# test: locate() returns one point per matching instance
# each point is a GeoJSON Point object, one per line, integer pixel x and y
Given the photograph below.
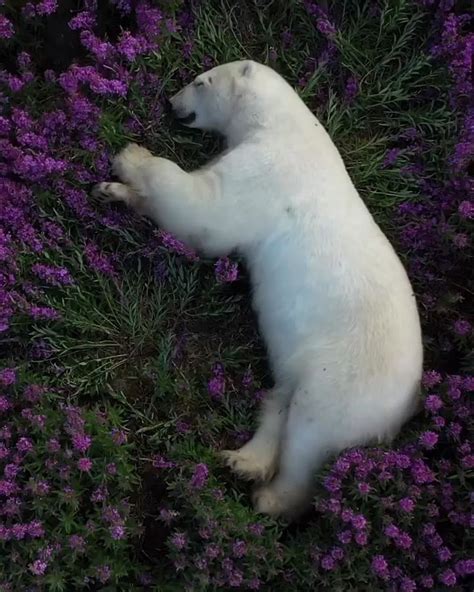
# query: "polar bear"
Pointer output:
{"type": "Point", "coordinates": [334, 303]}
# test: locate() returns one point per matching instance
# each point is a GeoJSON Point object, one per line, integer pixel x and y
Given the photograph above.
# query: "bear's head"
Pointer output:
{"type": "Point", "coordinates": [228, 96]}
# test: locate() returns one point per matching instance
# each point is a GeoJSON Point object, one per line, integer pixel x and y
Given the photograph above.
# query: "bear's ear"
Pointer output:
{"type": "Point", "coordinates": [248, 68]}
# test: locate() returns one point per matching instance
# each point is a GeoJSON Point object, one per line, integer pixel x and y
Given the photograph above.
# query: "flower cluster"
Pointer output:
{"type": "Point", "coordinates": [56, 461]}
{"type": "Point", "coordinates": [221, 550]}
{"type": "Point", "coordinates": [39, 150]}
{"type": "Point", "coordinates": [416, 535]}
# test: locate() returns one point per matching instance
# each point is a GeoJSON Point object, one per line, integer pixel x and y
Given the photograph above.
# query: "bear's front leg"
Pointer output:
{"type": "Point", "coordinates": [129, 162]}
{"type": "Point", "coordinates": [189, 205]}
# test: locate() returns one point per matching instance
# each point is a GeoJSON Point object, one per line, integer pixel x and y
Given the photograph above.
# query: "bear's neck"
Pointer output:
{"type": "Point", "coordinates": [288, 114]}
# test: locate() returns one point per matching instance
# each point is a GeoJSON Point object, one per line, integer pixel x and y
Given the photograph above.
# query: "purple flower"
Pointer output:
{"type": "Point", "coordinates": [347, 515]}
{"type": "Point", "coordinates": [345, 537]}
{"type": "Point", "coordinates": [407, 585]}
{"type": "Point", "coordinates": [35, 529]}
{"type": "Point", "coordinates": [332, 484]}
{"type": "Point", "coordinates": [406, 505]}
{"type": "Point", "coordinates": [100, 494]}
{"type": "Point", "coordinates": [391, 156]}
{"type": "Point", "coordinates": [81, 442]}
{"type": "Point", "coordinates": [100, 49]}
{"type": "Point", "coordinates": [19, 531]}
{"type": "Point", "coordinates": [239, 549]}
{"type": "Point", "coordinates": [380, 567]}
{"type": "Point", "coordinates": [334, 506]}
{"type": "Point", "coordinates": [323, 24]}
{"type": "Point", "coordinates": [119, 437]}
{"type": "Point", "coordinates": [201, 563]}
{"type": "Point", "coordinates": [82, 20]}
{"type": "Point", "coordinates": [216, 385]}
{"type": "Point", "coordinates": [403, 540]}
{"type": "Point", "coordinates": [117, 532]}
{"type": "Point", "coordinates": [428, 440]}
{"type": "Point", "coordinates": [84, 464]}
{"type": "Point", "coordinates": [337, 553]}
{"type": "Point", "coordinates": [103, 573]}
{"type": "Point", "coordinates": [112, 516]}
{"type": "Point", "coordinates": [182, 426]}
{"type": "Point", "coordinates": [431, 378]}
{"type": "Point", "coordinates": [7, 487]}
{"type": "Point", "coordinates": [55, 276]}
{"type": "Point", "coordinates": [465, 567]}
{"type": "Point", "coordinates": [24, 445]}
{"type": "Point", "coordinates": [145, 579]}
{"type": "Point", "coordinates": [421, 473]}
{"type": "Point", "coordinates": [176, 246]}
{"type": "Point", "coordinates": [254, 584]}
{"type": "Point", "coordinates": [351, 90]}
{"type": "Point", "coordinates": [200, 476]}
{"type": "Point", "coordinates": [33, 392]}
{"type": "Point", "coordinates": [328, 563]}
{"type": "Point", "coordinates": [5, 404]}
{"type": "Point", "coordinates": [160, 462]}
{"type": "Point", "coordinates": [256, 529]}
{"type": "Point", "coordinates": [461, 240]}
{"type": "Point", "coordinates": [130, 47]}
{"type": "Point", "coordinates": [448, 578]}
{"type": "Point", "coordinates": [11, 471]}
{"type": "Point", "coordinates": [462, 327]}
{"type": "Point", "coordinates": [43, 313]}
{"type": "Point", "coordinates": [212, 551]}
{"type": "Point", "coordinates": [53, 445]}
{"type": "Point", "coordinates": [444, 554]}
{"type": "Point", "coordinates": [361, 538]}
{"type": "Point", "coordinates": [38, 567]}
{"type": "Point", "coordinates": [391, 531]}
{"type": "Point", "coordinates": [427, 581]}
{"type": "Point", "coordinates": [148, 19]}
{"type": "Point", "coordinates": [167, 516]}
{"type": "Point", "coordinates": [359, 522]}
{"type": "Point", "coordinates": [179, 540]}
{"type": "Point", "coordinates": [77, 543]}
{"type": "Point", "coordinates": [111, 469]}
{"type": "Point", "coordinates": [46, 7]}
{"type": "Point", "coordinates": [7, 376]}
{"type": "Point", "coordinates": [466, 209]}
{"type": "Point", "coordinates": [98, 261]}
{"type": "Point", "coordinates": [226, 271]}
{"type": "Point", "coordinates": [6, 28]}
{"type": "Point", "coordinates": [235, 578]}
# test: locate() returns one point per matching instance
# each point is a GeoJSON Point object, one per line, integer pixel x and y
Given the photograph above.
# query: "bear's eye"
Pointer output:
{"type": "Point", "coordinates": [199, 83]}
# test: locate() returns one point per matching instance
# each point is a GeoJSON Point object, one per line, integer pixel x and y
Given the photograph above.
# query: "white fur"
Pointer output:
{"type": "Point", "coordinates": [334, 303]}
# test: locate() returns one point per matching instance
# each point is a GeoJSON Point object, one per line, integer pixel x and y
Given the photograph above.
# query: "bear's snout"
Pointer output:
{"type": "Point", "coordinates": [180, 111]}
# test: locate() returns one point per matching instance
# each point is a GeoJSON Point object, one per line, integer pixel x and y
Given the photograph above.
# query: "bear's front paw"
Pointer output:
{"type": "Point", "coordinates": [127, 162]}
{"type": "Point", "coordinates": [101, 193]}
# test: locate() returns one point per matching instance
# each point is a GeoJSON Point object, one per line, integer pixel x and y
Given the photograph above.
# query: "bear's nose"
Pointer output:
{"type": "Point", "coordinates": [168, 107]}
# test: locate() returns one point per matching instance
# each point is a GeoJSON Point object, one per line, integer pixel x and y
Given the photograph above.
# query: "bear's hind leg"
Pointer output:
{"type": "Point", "coordinates": [305, 446]}
{"type": "Point", "coordinates": [258, 459]}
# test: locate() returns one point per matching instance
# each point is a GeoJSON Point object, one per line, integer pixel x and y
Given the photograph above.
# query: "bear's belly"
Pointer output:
{"type": "Point", "coordinates": [310, 299]}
